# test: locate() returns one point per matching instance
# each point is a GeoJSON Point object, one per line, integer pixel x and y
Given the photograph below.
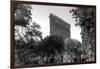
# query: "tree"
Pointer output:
{"type": "Point", "coordinates": [25, 30]}
{"type": "Point", "coordinates": [27, 34]}
{"type": "Point", "coordinates": [51, 46]}
{"type": "Point", "coordinates": [22, 14]}
{"type": "Point", "coordinates": [73, 46]}
{"type": "Point", "coordinates": [26, 43]}
{"type": "Point", "coordinates": [33, 30]}
{"type": "Point", "coordinates": [85, 18]}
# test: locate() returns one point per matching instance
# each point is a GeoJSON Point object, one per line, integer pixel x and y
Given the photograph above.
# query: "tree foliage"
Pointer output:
{"type": "Point", "coordinates": [74, 49]}
{"type": "Point", "coordinates": [52, 44]}
{"type": "Point", "coordinates": [26, 31]}
{"type": "Point", "coordinates": [50, 47]}
{"type": "Point", "coordinates": [26, 43]}
{"type": "Point", "coordinates": [83, 15]}
{"type": "Point", "coordinates": [27, 35]}
{"type": "Point", "coordinates": [73, 46]}
{"type": "Point", "coordinates": [85, 18]}
{"type": "Point", "coordinates": [22, 14]}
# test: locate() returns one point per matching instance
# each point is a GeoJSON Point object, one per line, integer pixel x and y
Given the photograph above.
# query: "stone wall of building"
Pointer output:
{"type": "Point", "coordinates": [59, 27]}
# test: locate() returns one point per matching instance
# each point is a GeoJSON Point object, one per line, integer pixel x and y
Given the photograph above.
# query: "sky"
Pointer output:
{"type": "Point", "coordinates": [40, 15]}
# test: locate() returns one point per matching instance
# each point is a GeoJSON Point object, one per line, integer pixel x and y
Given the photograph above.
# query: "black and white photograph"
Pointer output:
{"type": "Point", "coordinates": [48, 34]}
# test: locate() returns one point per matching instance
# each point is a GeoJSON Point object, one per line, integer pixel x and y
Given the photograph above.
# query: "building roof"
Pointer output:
{"type": "Point", "coordinates": [59, 20]}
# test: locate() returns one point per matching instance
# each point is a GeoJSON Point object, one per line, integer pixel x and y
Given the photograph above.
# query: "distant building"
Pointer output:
{"type": "Point", "coordinates": [59, 27]}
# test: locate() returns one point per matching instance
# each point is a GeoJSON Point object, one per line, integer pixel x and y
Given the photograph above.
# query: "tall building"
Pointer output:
{"type": "Point", "coordinates": [59, 27]}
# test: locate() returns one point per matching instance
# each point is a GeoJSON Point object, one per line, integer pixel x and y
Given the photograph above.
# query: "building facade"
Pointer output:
{"type": "Point", "coordinates": [59, 27]}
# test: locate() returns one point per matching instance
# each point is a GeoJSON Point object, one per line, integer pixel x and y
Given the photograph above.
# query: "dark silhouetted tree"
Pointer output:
{"type": "Point", "coordinates": [74, 46]}
{"type": "Point", "coordinates": [51, 46]}
{"type": "Point", "coordinates": [85, 18]}
{"type": "Point", "coordinates": [22, 14]}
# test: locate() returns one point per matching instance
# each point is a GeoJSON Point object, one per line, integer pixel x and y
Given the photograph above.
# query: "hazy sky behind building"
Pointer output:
{"type": "Point", "coordinates": [40, 15]}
